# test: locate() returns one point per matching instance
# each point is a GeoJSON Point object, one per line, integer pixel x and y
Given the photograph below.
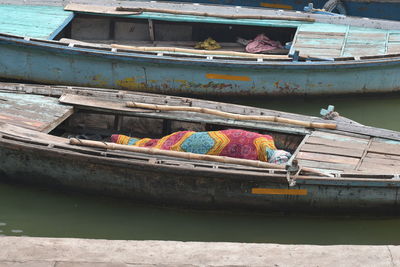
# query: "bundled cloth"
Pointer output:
{"type": "Point", "coordinates": [208, 44]}
{"type": "Point", "coordinates": [231, 143]}
{"type": "Point", "coordinates": [262, 44]}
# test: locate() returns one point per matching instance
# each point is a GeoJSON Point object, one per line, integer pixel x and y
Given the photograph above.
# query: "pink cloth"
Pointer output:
{"type": "Point", "coordinates": [261, 44]}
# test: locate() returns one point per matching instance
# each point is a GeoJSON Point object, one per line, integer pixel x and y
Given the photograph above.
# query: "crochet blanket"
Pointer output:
{"type": "Point", "coordinates": [231, 143]}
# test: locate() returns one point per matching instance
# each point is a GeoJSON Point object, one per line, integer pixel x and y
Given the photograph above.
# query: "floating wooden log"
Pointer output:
{"type": "Point", "coordinates": [308, 124]}
{"type": "Point", "coordinates": [205, 14]}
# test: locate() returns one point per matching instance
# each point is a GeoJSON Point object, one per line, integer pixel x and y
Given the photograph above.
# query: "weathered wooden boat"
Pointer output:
{"type": "Point", "coordinates": [145, 46]}
{"type": "Point", "coordinates": [352, 167]}
{"type": "Point", "coordinates": [386, 9]}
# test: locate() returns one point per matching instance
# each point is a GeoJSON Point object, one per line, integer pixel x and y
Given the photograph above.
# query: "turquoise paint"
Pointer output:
{"type": "Point", "coordinates": [56, 64]}
{"type": "Point", "coordinates": [203, 19]}
{"type": "Point", "coordinates": [33, 21]}
{"type": "Point", "coordinates": [371, 9]}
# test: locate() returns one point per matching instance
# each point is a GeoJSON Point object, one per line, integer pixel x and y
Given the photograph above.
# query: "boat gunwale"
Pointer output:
{"type": "Point", "coordinates": [369, 61]}
{"type": "Point", "coordinates": [301, 180]}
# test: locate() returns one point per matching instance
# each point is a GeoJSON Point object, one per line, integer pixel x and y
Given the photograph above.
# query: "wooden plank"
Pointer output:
{"type": "Point", "coordinates": [393, 162]}
{"type": "Point", "coordinates": [366, 46]}
{"type": "Point", "coordinates": [325, 165]}
{"type": "Point", "coordinates": [367, 35]}
{"type": "Point", "coordinates": [327, 158]}
{"type": "Point", "coordinates": [376, 167]}
{"type": "Point", "coordinates": [324, 149]}
{"type": "Point", "coordinates": [321, 34]}
{"type": "Point", "coordinates": [53, 124]}
{"type": "Point", "coordinates": [33, 111]}
{"type": "Point", "coordinates": [319, 52]}
{"type": "Point", "coordinates": [382, 156]}
{"type": "Point", "coordinates": [368, 130]}
{"type": "Point", "coordinates": [341, 137]}
{"type": "Point", "coordinates": [322, 42]}
{"type": "Point", "coordinates": [367, 51]}
{"type": "Point", "coordinates": [393, 48]}
{"type": "Point", "coordinates": [97, 9]}
{"type": "Point", "coordinates": [336, 143]}
{"type": "Point", "coordinates": [318, 46]}
{"type": "Point", "coordinates": [384, 148]}
{"type": "Point", "coordinates": [394, 37]}
{"type": "Point", "coordinates": [28, 133]}
{"type": "Point", "coordinates": [97, 104]}
{"type": "Point", "coordinates": [32, 21]}
{"type": "Point", "coordinates": [364, 153]}
{"type": "Point", "coordinates": [23, 122]}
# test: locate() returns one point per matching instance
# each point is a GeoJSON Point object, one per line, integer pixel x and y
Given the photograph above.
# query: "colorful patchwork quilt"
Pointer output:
{"type": "Point", "coordinates": [231, 143]}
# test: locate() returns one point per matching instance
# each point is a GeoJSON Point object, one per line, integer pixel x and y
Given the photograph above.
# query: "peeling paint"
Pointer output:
{"type": "Point", "coordinates": [99, 80]}
{"type": "Point", "coordinates": [286, 87]}
{"type": "Point", "coordinates": [131, 84]}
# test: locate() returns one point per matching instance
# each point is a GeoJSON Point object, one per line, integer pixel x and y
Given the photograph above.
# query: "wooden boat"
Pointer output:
{"type": "Point", "coordinates": [146, 46]}
{"type": "Point", "coordinates": [388, 9]}
{"type": "Point", "coordinates": [349, 168]}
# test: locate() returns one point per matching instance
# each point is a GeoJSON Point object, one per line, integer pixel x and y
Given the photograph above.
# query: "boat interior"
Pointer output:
{"type": "Point", "coordinates": [108, 30]}
{"type": "Point", "coordinates": [104, 27]}
{"type": "Point", "coordinates": [59, 113]}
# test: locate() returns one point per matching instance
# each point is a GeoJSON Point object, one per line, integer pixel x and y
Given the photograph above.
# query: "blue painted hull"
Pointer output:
{"type": "Point", "coordinates": [370, 9]}
{"type": "Point", "coordinates": [53, 63]}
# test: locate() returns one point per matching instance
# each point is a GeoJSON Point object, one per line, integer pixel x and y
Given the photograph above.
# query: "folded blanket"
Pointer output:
{"type": "Point", "coordinates": [231, 143]}
{"type": "Point", "coordinates": [262, 44]}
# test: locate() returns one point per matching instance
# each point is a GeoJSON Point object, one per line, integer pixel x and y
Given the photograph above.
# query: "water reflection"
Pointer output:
{"type": "Point", "coordinates": [48, 213]}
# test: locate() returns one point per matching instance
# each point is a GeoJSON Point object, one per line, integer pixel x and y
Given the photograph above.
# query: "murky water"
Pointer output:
{"type": "Point", "coordinates": [43, 212]}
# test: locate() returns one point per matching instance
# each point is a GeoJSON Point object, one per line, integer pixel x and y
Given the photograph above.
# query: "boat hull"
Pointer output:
{"type": "Point", "coordinates": [59, 64]}
{"type": "Point", "coordinates": [371, 9]}
{"type": "Point", "coordinates": [184, 186]}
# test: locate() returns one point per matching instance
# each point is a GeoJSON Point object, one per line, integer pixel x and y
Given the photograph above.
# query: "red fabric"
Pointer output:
{"type": "Point", "coordinates": [261, 44]}
{"type": "Point", "coordinates": [241, 144]}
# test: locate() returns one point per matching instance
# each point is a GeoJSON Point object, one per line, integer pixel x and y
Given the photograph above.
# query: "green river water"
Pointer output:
{"type": "Point", "coordinates": [41, 212]}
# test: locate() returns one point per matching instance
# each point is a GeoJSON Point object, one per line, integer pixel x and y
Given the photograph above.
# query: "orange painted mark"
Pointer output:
{"type": "Point", "coordinates": [273, 191]}
{"type": "Point", "coordinates": [227, 77]}
{"type": "Point", "coordinates": [32, 124]}
{"type": "Point", "coordinates": [275, 5]}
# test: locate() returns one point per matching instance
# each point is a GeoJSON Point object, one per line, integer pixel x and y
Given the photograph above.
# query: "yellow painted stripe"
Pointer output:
{"type": "Point", "coordinates": [273, 191]}
{"type": "Point", "coordinates": [227, 77]}
{"type": "Point", "coordinates": [275, 5]}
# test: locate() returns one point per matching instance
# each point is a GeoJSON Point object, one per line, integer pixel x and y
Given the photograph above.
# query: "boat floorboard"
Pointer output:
{"type": "Point", "coordinates": [33, 111]}
{"type": "Point", "coordinates": [349, 154]}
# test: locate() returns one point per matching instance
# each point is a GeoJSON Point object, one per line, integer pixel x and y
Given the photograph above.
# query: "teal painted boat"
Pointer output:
{"type": "Point", "coordinates": [380, 9]}
{"type": "Point", "coordinates": [147, 46]}
{"type": "Point", "coordinates": [59, 137]}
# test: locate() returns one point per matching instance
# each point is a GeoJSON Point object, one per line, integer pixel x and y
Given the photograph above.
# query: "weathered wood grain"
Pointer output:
{"type": "Point", "coordinates": [336, 143]}
{"type": "Point", "coordinates": [324, 149]}
{"type": "Point", "coordinates": [379, 167]}
{"type": "Point", "coordinates": [343, 136]}
{"type": "Point", "coordinates": [33, 111]}
{"type": "Point", "coordinates": [384, 148]}
{"type": "Point", "coordinates": [325, 165]}
{"type": "Point", "coordinates": [327, 158]}
{"type": "Point", "coordinates": [393, 162]}
{"type": "Point", "coordinates": [382, 156]}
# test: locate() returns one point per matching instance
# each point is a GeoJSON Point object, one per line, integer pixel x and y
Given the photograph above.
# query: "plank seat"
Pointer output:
{"type": "Point", "coordinates": [349, 153]}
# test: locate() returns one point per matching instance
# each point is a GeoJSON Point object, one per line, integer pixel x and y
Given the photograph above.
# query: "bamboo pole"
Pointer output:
{"type": "Point", "coordinates": [176, 154]}
{"type": "Point", "coordinates": [188, 155]}
{"type": "Point", "coordinates": [308, 124]}
{"type": "Point", "coordinates": [197, 51]}
{"type": "Point", "coordinates": [205, 14]}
